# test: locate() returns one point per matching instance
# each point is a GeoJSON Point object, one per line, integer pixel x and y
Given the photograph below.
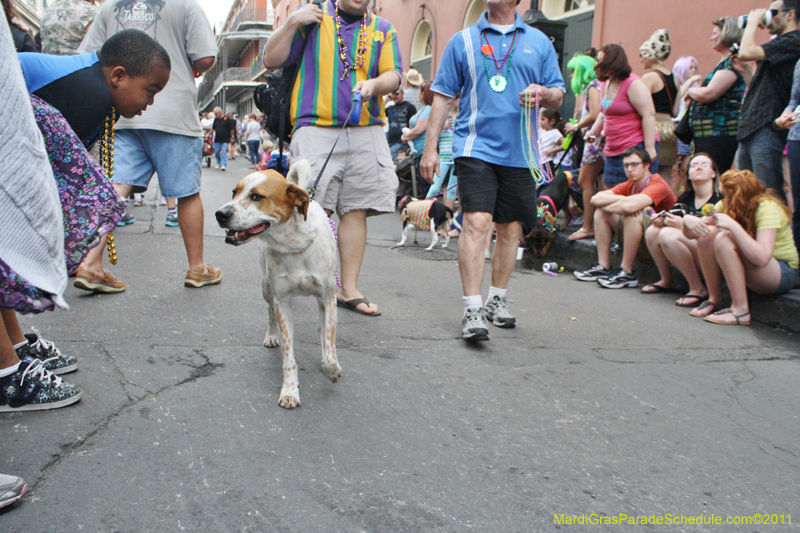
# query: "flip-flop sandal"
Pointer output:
{"type": "Point", "coordinates": [656, 289]}
{"type": "Point", "coordinates": [703, 305]}
{"type": "Point", "coordinates": [586, 235]}
{"type": "Point", "coordinates": [353, 304]}
{"type": "Point", "coordinates": [697, 299]}
{"type": "Point", "coordinates": [710, 318]}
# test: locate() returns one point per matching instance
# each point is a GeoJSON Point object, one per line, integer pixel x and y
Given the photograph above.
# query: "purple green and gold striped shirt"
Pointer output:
{"type": "Point", "coordinates": [320, 97]}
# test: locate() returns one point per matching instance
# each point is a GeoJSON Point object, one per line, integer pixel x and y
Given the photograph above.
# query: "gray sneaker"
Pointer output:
{"type": "Point", "coordinates": [498, 312]}
{"type": "Point", "coordinates": [473, 326]}
{"type": "Point", "coordinates": [12, 488]}
{"type": "Point", "coordinates": [172, 220]}
{"type": "Point", "coordinates": [620, 279]}
{"type": "Point", "coordinates": [45, 351]}
{"type": "Point", "coordinates": [126, 219]}
{"type": "Point", "coordinates": [593, 274]}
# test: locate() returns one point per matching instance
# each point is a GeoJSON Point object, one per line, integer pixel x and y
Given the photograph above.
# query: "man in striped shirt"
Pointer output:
{"type": "Point", "coordinates": [342, 48]}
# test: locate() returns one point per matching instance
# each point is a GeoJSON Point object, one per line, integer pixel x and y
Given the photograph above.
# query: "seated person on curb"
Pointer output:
{"type": "Point", "coordinates": [623, 206]}
{"type": "Point", "coordinates": [748, 238]}
{"type": "Point", "coordinates": [669, 246]}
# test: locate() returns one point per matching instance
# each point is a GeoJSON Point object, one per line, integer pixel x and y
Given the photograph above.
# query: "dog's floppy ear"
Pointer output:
{"type": "Point", "coordinates": [299, 198]}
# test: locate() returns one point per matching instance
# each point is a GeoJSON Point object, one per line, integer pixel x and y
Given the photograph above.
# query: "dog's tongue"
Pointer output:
{"type": "Point", "coordinates": [257, 229]}
{"type": "Point", "coordinates": [248, 232]}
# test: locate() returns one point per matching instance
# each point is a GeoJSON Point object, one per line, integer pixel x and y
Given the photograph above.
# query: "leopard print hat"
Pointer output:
{"type": "Point", "coordinates": [658, 46]}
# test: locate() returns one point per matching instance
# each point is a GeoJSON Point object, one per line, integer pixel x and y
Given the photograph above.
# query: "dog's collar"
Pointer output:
{"type": "Point", "coordinates": [550, 221]}
{"type": "Point", "coordinates": [549, 201]}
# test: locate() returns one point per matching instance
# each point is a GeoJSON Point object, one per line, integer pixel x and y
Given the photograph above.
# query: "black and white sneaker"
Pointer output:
{"type": "Point", "coordinates": [44, 350]}
{"type": "Point", "coordinates": [498, 312]}
{"type": "Point", "coordinates": [620, 279]}
{"type": "Point", "coordinates": [593, 274]}
{"type": "Point", "coordinates": [33, 388]}
{"type": "Point", "coordinates": [473, 326]}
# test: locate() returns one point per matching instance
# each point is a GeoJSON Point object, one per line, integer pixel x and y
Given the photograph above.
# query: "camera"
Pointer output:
{"type": "Point", "coordinates": [679, 210]}
{"type": "Point", "coordinates": [735, 49]}
{"type": "Point", "coordinates": [766, 21]}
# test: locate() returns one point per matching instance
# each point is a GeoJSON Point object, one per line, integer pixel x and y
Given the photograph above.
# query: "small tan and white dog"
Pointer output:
{"type": "Point", "coordinates": [299, 257]}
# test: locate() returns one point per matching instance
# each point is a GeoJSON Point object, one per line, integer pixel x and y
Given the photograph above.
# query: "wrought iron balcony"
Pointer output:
{"type": "Point", "coordinates": [250, 17]}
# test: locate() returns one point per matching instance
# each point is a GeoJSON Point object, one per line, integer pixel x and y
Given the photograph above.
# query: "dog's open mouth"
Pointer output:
{"type": "Point", "coordinates": [240, 237]}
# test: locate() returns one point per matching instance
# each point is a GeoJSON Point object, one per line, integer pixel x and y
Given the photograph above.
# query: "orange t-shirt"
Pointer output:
{"type": "Point", "coordinates": [656, 188]}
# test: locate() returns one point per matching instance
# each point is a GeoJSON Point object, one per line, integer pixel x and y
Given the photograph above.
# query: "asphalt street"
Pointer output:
{"type": "Point", "coordinates": [600, 403]}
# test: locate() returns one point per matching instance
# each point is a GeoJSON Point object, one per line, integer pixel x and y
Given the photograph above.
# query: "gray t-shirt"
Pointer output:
{"type": "Point", "coordinates": [182, 28]}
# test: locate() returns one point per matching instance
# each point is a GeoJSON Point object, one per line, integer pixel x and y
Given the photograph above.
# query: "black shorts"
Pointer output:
{"type": "Point", "coordinates": [508, 193]}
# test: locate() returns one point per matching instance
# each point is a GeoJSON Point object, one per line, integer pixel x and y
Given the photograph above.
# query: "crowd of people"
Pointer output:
{"type": "Point", "coordinates": [730, 216]}
{"type": "Point", "coordinates": [690, 164]}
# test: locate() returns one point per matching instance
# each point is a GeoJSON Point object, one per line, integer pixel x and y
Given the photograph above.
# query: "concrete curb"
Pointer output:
{"type": "Point", "coordinates": [777, 311]}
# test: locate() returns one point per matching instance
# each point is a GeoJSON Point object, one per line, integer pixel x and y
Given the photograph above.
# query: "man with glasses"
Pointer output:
{"type": "Point", "coordinates": [397, 116]}
{"type": "Point", "coordinates": [760, 142]}
{"type": "Point", "coordinates": [622, 208]}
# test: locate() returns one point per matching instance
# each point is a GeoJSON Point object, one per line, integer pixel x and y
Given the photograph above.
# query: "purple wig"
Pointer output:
{"type": "Point", "coordinates": [681, 69]}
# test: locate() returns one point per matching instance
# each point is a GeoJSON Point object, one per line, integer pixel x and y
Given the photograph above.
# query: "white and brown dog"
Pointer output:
{"type": "Point", "coordinates": [299, 257]}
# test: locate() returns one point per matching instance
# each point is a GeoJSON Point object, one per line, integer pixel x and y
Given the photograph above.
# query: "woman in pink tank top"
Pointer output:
{"type": "Point", "coordinates": [628, 116]}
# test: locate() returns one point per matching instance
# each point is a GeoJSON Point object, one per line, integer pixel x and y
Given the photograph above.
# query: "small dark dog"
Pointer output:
{"type": "Point", "coordinates": [553, 197]}
{"type": "Point", "coordinates": [428, 214]}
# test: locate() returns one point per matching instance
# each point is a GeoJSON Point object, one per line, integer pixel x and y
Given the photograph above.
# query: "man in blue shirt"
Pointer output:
{"type": "Point", "coordinates": [496, 65]}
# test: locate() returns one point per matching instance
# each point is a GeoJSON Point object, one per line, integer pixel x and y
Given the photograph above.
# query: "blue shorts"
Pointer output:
{"type": "Point", "coordinates": [614, 172]}
{"type": "Point", "coordinates": [789, 278]}
{"type": "Point", "coordinates": [175, 158]}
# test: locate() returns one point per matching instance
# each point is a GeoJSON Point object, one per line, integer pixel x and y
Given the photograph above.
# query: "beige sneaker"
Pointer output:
{"type": "Point", "coordinates": [92, 282]}
{"type": "Point", "coordinates": [197, 280]}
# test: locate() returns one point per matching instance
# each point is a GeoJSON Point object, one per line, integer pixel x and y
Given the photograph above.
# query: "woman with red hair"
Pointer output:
{"type": "Point", "coordinates": [748, 239]}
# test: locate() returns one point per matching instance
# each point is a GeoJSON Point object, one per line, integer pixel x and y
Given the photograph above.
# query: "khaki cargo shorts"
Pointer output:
{"type": "Point", "coordinates": [360, 175]}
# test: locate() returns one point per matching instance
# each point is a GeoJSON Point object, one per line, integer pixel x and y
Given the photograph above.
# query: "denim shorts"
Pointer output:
{"type": "Point", "coordinates": [139, 154]}
{"type": "Point", "coordinates": [614, 172]}
{"type": "Point", "coordinates": [789, 277]}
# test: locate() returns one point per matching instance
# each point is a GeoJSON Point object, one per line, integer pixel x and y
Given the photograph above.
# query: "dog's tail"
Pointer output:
{"type": "Point", "coordinates": [300, 173]}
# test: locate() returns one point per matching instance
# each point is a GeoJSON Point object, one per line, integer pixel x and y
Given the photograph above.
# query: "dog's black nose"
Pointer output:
{"type": "Point", "coordinates": [223, 215]}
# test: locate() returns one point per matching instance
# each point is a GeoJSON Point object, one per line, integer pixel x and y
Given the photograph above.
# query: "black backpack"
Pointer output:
{"type": "Point", "coordinates": [274, 100]}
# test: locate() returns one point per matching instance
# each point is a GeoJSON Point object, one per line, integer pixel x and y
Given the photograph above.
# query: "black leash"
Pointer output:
{"type": "Point", "coordinates": [355, 107]}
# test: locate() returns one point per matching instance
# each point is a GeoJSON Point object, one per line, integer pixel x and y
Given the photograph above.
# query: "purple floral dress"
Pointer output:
{"type": "Point", "coordinates": [91, 206]}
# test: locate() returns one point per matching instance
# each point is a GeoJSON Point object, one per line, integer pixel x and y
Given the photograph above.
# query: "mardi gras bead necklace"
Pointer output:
{"type": "Point", "coordinates": [107, 162]}
{"type": "Point", "coordinates": [497, 82]}
{"type": "Point", "coordinates": [529, 126]}
{"type": "Point", "coordinates": [361, 46]}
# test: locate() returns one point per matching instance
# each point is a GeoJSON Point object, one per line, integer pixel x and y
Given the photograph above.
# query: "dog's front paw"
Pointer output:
{"type": "Point", "coordinates": [289, 399]}
{"type": "Point", "coordinates": [272, 341]}
{"type": "Point", "coordinates": [332, 370]}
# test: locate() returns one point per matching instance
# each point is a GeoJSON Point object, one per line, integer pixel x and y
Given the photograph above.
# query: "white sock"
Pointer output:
{"type": "Point", "coordinates": [20, 345]}
{"type": "Point", "coordinates": [494, 291]}
{"type": "Point", "coordinates": [8, 371]}
{"type": "Point", "coordinates": [471, 302]}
